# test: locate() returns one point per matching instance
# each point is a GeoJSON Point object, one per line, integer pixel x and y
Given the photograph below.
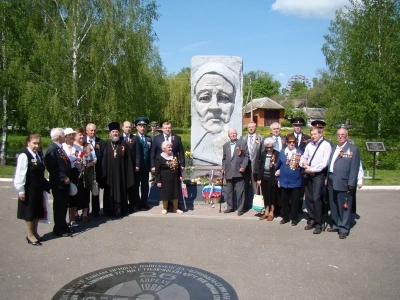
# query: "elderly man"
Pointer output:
{"type": "Point", "coordinates": [98, 145]}
{"type": "Point", "coordinates": [59, 168]}
{"type": "Point", "coordinates": [279, 140]}
{"type": "Point", "coordinates": [234, 162]}
{"type": "Point", "coordinates": [254, 143]}
{"type": "Point", "coordinates": [118, 170]}
{"type": "Point", "coordinates": [344, 167]}
{"type": "Point", "coordinates": [314, 161]}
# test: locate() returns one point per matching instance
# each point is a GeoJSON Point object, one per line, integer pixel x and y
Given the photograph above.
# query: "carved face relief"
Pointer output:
{"type": "Point", "coordinates": [214, 102]}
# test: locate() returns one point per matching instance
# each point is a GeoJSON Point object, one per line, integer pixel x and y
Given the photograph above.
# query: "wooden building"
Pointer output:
{"type": "Point", "coordinates": [265, 112]}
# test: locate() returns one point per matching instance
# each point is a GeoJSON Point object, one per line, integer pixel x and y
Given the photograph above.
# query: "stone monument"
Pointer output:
{"type": "Point", "coordinates": [216, 106]}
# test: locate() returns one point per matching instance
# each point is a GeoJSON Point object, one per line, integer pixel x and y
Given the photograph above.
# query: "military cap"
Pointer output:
{"type": "Point", "coordinates": [318, 124]}
{"type": "Point", "coordinates": [141, 121]}
{"type": "Point", "coordinates": [154, 123]}
{"type": "Point", "coordinates": [297, 121]}
{"type": "Point", "coordinates": [114, 126]}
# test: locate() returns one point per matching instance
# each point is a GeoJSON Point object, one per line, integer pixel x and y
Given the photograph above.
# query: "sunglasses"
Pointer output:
{"type": "Point", "coordinates": [291, 142]}
{"type": "Point", "coordinates": [269, 147]}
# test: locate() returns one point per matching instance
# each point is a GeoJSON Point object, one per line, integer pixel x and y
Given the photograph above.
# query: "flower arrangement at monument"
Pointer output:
{"type": "Point", "coordinates": [212, 192]}
{"type": "Point", "coordinates": [189, 166]}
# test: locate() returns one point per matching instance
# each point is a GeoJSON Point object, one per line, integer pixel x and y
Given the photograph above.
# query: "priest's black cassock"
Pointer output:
{"type": "Point", "coordinates": [117, 166]}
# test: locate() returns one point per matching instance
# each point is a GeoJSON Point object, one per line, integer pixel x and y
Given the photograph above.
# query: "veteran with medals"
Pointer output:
{"type": "Point", "coordinates": [118, 170]}
{"type": "Point", "coordinates": [289, 179]}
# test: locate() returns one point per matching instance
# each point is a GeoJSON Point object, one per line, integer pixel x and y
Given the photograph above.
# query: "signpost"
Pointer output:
{"type": "Point", "coordinates": [375, 147]}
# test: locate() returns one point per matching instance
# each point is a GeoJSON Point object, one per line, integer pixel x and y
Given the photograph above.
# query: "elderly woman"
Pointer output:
{"type": "Point", "coordinates": [266, 177]}
{"type": "Point", "coordinates": [85, 160]}
{"type": "Point", "coordinates": [68, 147]}
{"type": "Point", "coordinates": [30, 183]}
{"type": "Point", "coordinates": [168, 177]}
{"type": "Point", "coordinates": [289, 179]}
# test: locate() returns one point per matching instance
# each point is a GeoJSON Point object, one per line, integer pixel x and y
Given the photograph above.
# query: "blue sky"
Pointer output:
{"type": "Point", "coordinates": [282, 37]}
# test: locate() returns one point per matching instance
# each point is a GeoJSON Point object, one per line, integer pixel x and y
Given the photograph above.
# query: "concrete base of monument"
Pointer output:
{"type": "Point", "coordinates": [194, 196]}
{"type": "Point", "coordinates": [203, 170]}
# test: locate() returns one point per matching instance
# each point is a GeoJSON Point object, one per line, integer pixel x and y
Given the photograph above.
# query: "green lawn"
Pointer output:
{"type": "Point", "coordinates": [382, 177]}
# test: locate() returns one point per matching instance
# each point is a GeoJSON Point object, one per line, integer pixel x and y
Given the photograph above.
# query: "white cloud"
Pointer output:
{"type": "Point", "coordinates": [324, 9]}
{"type": "Point", "coordinates": [281, 74]}
{"type": "Point", "coordinates": [192, 46]}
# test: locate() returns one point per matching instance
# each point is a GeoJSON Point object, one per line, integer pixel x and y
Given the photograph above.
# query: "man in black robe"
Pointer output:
{"type": "Point", "coordinates": [118, 170]}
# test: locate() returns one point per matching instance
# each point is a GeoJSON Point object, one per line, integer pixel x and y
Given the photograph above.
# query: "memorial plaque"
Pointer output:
{"type": "Point", "coordinates": [159, 281]}
{"type": "Point", "coordinates": [375, 146]}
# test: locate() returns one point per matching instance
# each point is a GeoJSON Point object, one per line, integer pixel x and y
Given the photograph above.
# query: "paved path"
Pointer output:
{"type": "Point", "coordinates": [259, 259]}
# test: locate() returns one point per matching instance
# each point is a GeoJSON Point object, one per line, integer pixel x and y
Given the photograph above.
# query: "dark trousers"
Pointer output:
{"type": "Point", "coordinates": [313, 192]}
{"type": "Point", "coordinates": [250, 181]}
{"type": "Point", "coordinates": [96, 204]}
{"type": "Point", "coordinates": [290, 198]}
{"type": "Point", "coordinates": [142, 183]}
{"type": "Point", "coordinates": [268, 188]}
{"type": "Point", "coordinates": [60, 208]}
{"type": "Point", "coordinates": [235, 185]}
{"type": "Point", "coordinates": [341, 217]}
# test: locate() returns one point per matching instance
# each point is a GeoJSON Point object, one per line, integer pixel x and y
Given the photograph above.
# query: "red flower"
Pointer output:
{"type": "Point", "coordinates": [82, 154]}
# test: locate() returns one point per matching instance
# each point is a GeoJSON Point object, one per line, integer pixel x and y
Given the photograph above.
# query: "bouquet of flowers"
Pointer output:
{"type": "Point", "coordinates": [211, 193]}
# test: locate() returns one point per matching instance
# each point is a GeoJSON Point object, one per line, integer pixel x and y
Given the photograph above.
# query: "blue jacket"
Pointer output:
{"type": "Point", "coordinates": [288, 178]}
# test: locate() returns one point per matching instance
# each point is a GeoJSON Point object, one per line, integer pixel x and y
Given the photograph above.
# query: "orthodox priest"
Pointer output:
{"type": "Point", "coordinates": [117, 168]}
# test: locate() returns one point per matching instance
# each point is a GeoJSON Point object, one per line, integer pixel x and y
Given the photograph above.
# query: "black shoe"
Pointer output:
{"type": "Point", "coordinates": [294, 223]}
{"type": "Point", "coordinates": [317, 230]}
{"type": "Point", "coordinates": [41, 239]}
{"type": "Point", "coordinates": [309, 227]}
{"type": "Point", "coordinates": [144, 207]}
{"type": "Point", "coordinates": [37, 243]}
{"type": "Point", "coordinates": [62, 234]}
{"type": "Point", "coordinates": [283, 221]}
{"type": "Point", "coordinates": [332, 230]}
{"type": "Point", "coordinates": [239, 213]}
{"type": "Point", "coordinates": [227, 211]}
{"type": "Point", "coordinates": [342, 236]}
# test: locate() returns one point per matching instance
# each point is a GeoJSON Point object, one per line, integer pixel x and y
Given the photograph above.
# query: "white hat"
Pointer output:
{"type": "Point", "coordinates": [73, 190]}
{"type": "Point", "coordinates": [69, 130]}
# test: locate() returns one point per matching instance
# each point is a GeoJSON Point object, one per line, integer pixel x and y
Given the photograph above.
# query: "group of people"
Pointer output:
{"type": "Point", "coordinates": [284, 169]}
{"type": "Point", "coordinates": [76, 160]}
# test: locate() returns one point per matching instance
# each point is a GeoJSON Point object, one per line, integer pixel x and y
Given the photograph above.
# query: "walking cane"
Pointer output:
{"type": "Point", "coordinates": [222, 189]}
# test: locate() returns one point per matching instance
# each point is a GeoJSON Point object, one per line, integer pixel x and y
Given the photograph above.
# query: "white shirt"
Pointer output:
{"type": "Point", "coordinates": [20, 172]}
{"type": "Point", "coordinates": [321, 158]}
{"type": "Point", "coordinates": [335, 155]}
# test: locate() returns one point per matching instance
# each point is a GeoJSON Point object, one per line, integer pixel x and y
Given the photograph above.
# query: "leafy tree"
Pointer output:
{"type": "Point", "coordinates": [263, 85]}
{"type": "Point", "coordinates": [298, 90]}
{"type": "Point", "coordinates": [362, 54]}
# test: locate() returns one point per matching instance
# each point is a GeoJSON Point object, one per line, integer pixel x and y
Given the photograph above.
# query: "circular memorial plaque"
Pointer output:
{"type": "Point", "coordinates": [158, 281]}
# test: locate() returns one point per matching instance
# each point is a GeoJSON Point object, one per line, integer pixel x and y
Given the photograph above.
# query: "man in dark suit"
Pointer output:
{"type": "Point", "coordinates": [254, 143]}
{"type": "Point", "coordinates": [142, 171]}
{"type": "Point", "coordinates": [98, 145]}
{"type": "Point", "coordinates": [59, 168]}
{"type": "Point", "coordinates": [301, 138]}
{"type": "Point", "coordinates": [134, 149]}
{"type": "Point", "coordinates": [235, 159]}
{"type": "Point", "coordinates": [343, 166]}
{"type": "Point", "coordinates": [177, 147]}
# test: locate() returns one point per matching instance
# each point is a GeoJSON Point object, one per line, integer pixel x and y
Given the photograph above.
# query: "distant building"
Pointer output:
{"type": "Point", "coordinates": [314, 114]}
{"type": "Point", "coordinates": [265, 112]}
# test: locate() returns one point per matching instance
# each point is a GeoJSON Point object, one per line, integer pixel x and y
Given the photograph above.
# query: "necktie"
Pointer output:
{"type": "Point", "coordinates": [142, 140]}
{"type": "Point", "coordinates": [276, 145]}
{"type": "Point", "coordinates": [126, 138]}
{"type": "Point", "coordinates": [91, 142]}
{"type": "Point", "coordinates": [38, 158]}
{"type": "Point", "coordinates": [166, 138]}
{"type": "Point", "coordinates": [251, 144]}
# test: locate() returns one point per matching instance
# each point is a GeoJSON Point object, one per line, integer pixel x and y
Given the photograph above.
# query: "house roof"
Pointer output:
{"type": "Point", "coordinates": [315, 113]}
{"type": "Point", "coordinates": [265, 103]}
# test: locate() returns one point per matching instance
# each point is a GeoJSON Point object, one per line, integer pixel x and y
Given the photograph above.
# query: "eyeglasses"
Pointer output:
{"type": "Point", "coordinates": [291, 142]}
{"type": "Point", "coordinates": [269, 147]}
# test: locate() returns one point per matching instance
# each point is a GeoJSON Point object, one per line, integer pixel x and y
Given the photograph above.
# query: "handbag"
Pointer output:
{"type": "Point", "coordinates": [258, 201]}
